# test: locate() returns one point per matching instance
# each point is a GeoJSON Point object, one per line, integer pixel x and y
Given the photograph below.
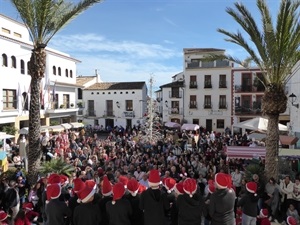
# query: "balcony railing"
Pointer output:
{"type": "Point", "coordinates": [90, 113]}
{"type": "Point", "coordinates": [248, 88]}
{"type": "Point", "coordinates": [193, 105]}
{"type": "Point", "coordinates": [129, 114]}
{"type": "Point", "coordinates": [62, 105]}
{"type": "Point", "coordinates": [176, 111]}
{"type": "Point", "coordinates": [80, 112]}
{"type": "Point", "coordinates": [222, 84]}
{"type": "Point", "coordinates": [207, 106]}
{"type": "Point", "coordinates": [207, 85]}
{"type": "Point", "coordinates": [193, 85]}
{"type": "Point", "coordinates": [175, 94]}
{"type": "Point", "coordinates": [193, 65]}
{"type": "Point", "coordinates": [108, 113]}
{"type": "Point", "coordinates": [222, 105]}
{"type": "Point", "coordinates": [245, 110]}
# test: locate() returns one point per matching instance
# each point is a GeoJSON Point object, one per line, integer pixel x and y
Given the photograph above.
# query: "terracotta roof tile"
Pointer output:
{"type": "Point", "coordinates": [173, 84]}
{"type": "Point", "coordinates": [116, 86]}
{"type": "Point", "coordinates": [83, 80]}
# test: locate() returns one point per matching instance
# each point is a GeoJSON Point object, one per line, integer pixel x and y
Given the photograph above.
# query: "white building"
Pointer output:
{"type": "Point", "coordinates": [208, 89]}
{"type": "Point", "coordinates": [294, 103]}
{"type": "Point", "coordinates": [60, 80]}
{"type": "Point", "coordinates": [114, 104]}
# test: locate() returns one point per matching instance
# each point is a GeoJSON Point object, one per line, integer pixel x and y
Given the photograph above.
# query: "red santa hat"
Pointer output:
{"type": "Point", "coordinates": [170, 184]}
{"type": "Point", "coordinates": [106, 187]}
{"type": "Point", "coordinates": [221, 180]}
{"type": "Point", "coordinates": [118, 191]}
{"type": "Point", "coordinates": [86, 194]}
{"type": "Point", "coordinates": [251, 187]}
{"type": "Point", "coordinates": [28, 206]}
{"type": "Point", "coordinates": [3, 215]}
{"type": "Point", "coordinates": [190, 186]}
{"type": "Point", "coordinates": [123, 180]}
{"type": "Point", "coordinates": [264, 213]}
{"type": "Point", "coordinates": [64, 179]}
{"type": "Point", "coordinates": [142, 188]}
{"type": "Point", "coordinates": [100, 172]}
{"type": "Point", "coordinates": [53, 191]}
{"type": "Point", "coordinates": [133, 187]}
{"type": "Point", "coordinates": [163, 181]}
{"type": "Point", "coordinates": [179, 188]}
{"type": "Point", "coordinates": [291, 220]}
{"type": "Point", "coordinates": [154, 178]}
{"type": "Point", "coordinates": [54, 179]}
{"type": "Point", "coordinates": [211, 188]}
{"type": "Point", "coordinates": [91, 183]}
{"type": "Point", "coordinates": [78, 185]}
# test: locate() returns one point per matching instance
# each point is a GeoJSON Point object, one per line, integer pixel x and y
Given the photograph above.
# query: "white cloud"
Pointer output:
{"type": "Point", "coordinates": [120, 61]}
{"type": "Point", "coordinates": [170, 22]}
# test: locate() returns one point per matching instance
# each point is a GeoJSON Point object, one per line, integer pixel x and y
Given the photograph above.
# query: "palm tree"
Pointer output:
{"type": "Point", "coordinates": [43, 19]}
{"type": "Point", "coordinates": [274, 48]}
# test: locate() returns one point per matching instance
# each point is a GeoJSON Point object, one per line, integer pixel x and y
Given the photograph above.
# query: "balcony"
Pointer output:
{"type": "Point", "coordinates": [223, 105]}
{"type": "Point", "coordinates": [248, 88]}
{"type": "Point", "coordinates": [129, 114]}
{"type": "Point", "coordinates": [108, 113]}
{"type": "Point", "coordinates": [175, 111]}
{"type": "Point", "coordinates": [80, 112]}
{"type": "Point", "coordinates": [193, 105]}
{"type": "Point", "coordinates": [90, 113]}
{"type": "Point", "coordinates": [207, 106]}
{"type": "Point", "coordinates": [175, 94]}
{"type": "Point", "coordinates": [247, 110]}
{"type": "Point", "coordinates": [192, 65]}
{"type": "Point", "coordinates": [207, 85]}
{"type": "Point", "coordinates": [67, 106]}
{"type": "Point", "coordinates": [222, 84]}
{"type": "Point", "coordinates": [193, 85]}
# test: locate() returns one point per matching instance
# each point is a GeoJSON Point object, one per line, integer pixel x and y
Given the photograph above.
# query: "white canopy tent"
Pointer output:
{"type": "Point", "coordinates": [172, 125]}
{"type": "Point", "coordinates": [188, 126]}
{"type": "Point", "coordinates": [258, 123]}
{"type": "Point", "coordinates": [76, 125]}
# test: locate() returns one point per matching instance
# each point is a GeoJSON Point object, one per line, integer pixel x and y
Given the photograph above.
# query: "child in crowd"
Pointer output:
{"type": "Point", "coordinates": [263, 219]}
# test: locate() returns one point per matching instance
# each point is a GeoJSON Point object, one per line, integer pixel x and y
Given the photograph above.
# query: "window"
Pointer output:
{"type": "Point", "coordinates": [4, 30]}
{"type": "Point", "coordinates": [4, 60]}
{"type": "Point", "coordinates": [174, 107]}
{"type": "Point", "coordinates": [222, 102]}
{"type": "Point", "coordinates": [222, 81]}
{"type": "Point", "coordinates": [54, 70]}
{"type": "Point", "coordinates": [207, 102]}
{"type": "Point", "coordinates": [220, 124]}
{"type": "Point", "coordinates": [22, 66]}
{"type": "Point", "coordinates": [67, 73]}
{"type": "Point", "coordinates": [193, 81]}
{"type": "Point", "coordinates": [28, 66]}
{"type": "Point", "coordinates": [175, 93]}
{"type": "Point", "coordinates": [13, 62]}
{"type": "Point", "coordinates": [207, 81]}
{"type": "Point", "coordinates": [193, 101]}
{"type": "Point", "coordinates": [196, 121]}
{"type": "Point", "coordinates": [79, 93]}
{"type": "Point", "coordinates": [59, 71]}
{"type": "Point", "coordinates": [17, 35]}
{"type": "Point", "coordinates": [129, 105]}
{"type": "Point", "coordinates": [71, 73]}
{"type": "Point", "coordinates": [9, 99]}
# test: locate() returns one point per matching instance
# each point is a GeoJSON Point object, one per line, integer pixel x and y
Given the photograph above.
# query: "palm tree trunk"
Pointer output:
{"type": "Point", "coordinates": [272, 146]}
{"type": "Point", "coordinates": [36, 69]}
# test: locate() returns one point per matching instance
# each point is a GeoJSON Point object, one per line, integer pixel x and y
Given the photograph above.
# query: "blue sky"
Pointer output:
{"type": "Point", "coordinates": [127, 40]}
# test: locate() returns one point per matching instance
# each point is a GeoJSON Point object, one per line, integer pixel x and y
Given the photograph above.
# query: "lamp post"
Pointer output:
{"type": "Point", "coordinates": [293, 99]}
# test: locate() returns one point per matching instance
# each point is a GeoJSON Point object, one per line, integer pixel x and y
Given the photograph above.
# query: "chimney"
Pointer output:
{"type": "Point", "coordinates": [98, 79]}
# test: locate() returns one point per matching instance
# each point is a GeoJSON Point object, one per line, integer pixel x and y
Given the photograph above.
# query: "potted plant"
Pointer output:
{"type": "Point", "coordinates": [79, 104]}
{"type": "Point", "coordinates": [62, 106]}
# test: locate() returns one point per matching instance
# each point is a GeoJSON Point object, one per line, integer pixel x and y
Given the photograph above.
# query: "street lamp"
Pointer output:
{"type": "Point", "coordinates": [293, 99]}
{"type": "Point", "coordinates": [118, 104]}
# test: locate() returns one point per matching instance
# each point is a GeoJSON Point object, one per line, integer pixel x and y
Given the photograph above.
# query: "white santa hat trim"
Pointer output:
{"type": "Point", "coordinates": [133, 193]}
{"type": "Point", "coordinates": [88, 196]}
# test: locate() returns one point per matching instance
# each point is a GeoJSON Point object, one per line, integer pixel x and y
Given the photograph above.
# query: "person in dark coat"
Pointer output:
{"type": "Point", "coordinates": [133, 197]}
{"type": "Point", "coordinates": [249, 204]}
{"type": "Point", "coordinates": [221, 204]}
{"type": "Point", "coordinates": [153, 202]}
{"type": "Point", "coordinates": [88, 212]}
{"type": "Point", "coordinates": [106, 191]}
{"type": "Point", "coordinates": [119, 210]}
{"type": "Point", "coordinates": [178, 190]}
{"type": "Point", "coordinates": [56, 210]}
{"type": "Point", "coordinates": [190, 204]}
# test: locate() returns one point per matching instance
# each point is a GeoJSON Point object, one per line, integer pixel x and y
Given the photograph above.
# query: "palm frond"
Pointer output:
{"type": "Point", "coordinates": [57, 166]}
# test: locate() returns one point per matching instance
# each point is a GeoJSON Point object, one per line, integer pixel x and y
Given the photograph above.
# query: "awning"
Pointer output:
{"type": "Point", "coordinates": [285, 152]}
{"type": "Point", "coordinates": [57, 128]}
{"type": "Point", "coordinates": [66, 126]}
{"type": "Point", "coordinates": [5, 136]}
{"type": "Point", "coordinates": [245, 152]}
{"type": "Point", "coordinates": [288, 140]}
{"type": "Point", "coordinates": [76, 125]}
{"type": "Point", "coordinates": [25, 130]}
{"type": "Point", "coordinates": [172, 125]}
{"type": "Point", "coordinates": [188, 126]}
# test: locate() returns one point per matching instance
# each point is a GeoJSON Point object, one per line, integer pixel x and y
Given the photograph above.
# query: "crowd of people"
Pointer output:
{"type": "Point", "coordinates": [182, 179]}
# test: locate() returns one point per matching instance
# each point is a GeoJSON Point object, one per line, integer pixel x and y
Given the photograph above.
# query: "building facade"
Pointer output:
{"type": "Point", "coordinates": [57, 87]}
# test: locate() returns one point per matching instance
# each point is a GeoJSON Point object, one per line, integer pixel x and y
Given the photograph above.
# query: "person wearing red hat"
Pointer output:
{"type": "Point", "coordinates": [210, 188]}
{"type": "Point", "coordinates": [190, 205]}
{"type": "Point", "coordinates": [106, 191]}
{"type": "Point", "coordinates": [221, 203]}
{"type": "Point", "coordinates": [3, 218]}
{"type": "Point", "coordinates": [291, 220]}
{"type": "Point", "coordinates": [30, 214]}
{"type": "Point", "coordinates": [88, 212]}
{"type": "Point", "coordinates": [263, 218]}
{"type": "Point", "coordinates": [78, 185]}
{"type": "Point", "coordinates": [119, 210]}
{"type": "Point", "coordinates": [56, 210]}
{"type": "Point", "coordinates": [133, 197]}
{"type": "Point", "coordinates": [249, 204]}
{"type": "Point", "coordinates": [153, 202]}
